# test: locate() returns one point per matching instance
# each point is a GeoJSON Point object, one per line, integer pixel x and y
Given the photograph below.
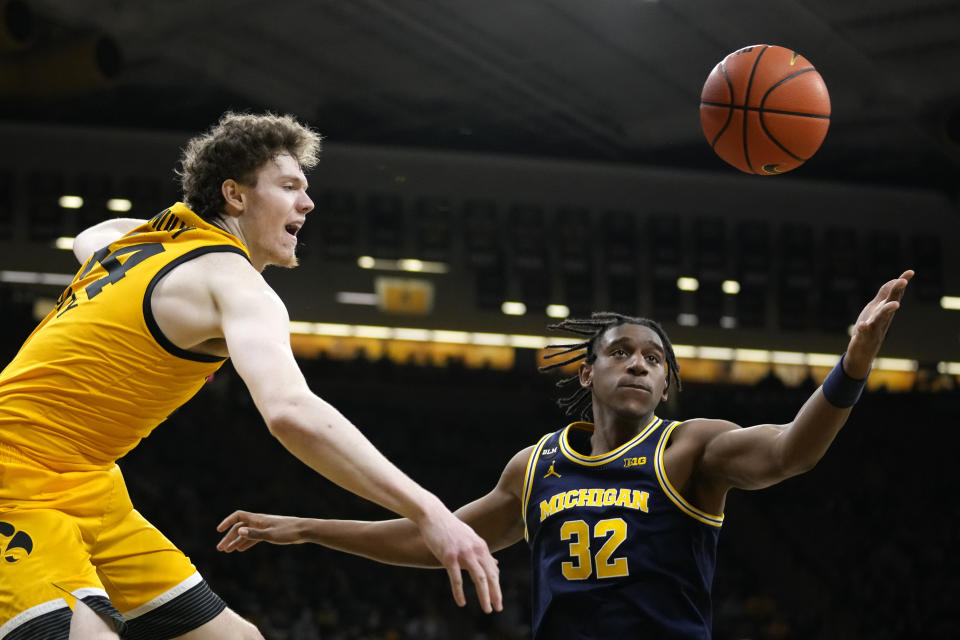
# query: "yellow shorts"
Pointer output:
{"type": "Point", "coordinates": [76, 535]}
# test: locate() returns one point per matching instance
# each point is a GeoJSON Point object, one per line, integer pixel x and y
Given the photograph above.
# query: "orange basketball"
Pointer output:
{"type": "Point", "coordinates": [764, 109]}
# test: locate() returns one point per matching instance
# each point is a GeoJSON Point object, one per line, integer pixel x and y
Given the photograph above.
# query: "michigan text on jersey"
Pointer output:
{"type": "Point", "coordinates": [629, 498]}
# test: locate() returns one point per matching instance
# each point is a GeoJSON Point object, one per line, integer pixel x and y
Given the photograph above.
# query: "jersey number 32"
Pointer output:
{"type": "Point", "coordinates": [582, 561]}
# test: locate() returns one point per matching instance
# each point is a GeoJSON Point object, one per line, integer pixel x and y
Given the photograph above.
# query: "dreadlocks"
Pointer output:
{"type": "Point", "coordinates": [579, 402]}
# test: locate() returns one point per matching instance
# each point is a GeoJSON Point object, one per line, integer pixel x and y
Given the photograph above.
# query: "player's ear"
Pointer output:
{"type": "Point", "coordinates": [586, 375]}
{"type": "Point", "coordinates": [232, 197]}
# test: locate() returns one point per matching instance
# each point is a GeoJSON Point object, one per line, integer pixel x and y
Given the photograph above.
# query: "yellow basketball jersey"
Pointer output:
{"type": "Point", "coordinates": [97, 375]}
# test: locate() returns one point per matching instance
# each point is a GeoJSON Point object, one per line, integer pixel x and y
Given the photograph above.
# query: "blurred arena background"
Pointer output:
{"type": "Point", "coordinates": [489, 168]}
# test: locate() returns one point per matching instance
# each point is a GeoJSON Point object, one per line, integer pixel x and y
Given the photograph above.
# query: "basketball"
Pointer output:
{"type": "Point", "coordinates": [765, 109]}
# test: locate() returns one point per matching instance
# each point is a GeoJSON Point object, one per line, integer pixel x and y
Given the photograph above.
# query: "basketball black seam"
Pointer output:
{"type": "Point", "coordinates": [782, 80]}
{"type": "Point", "coordinates": [746, 101]}
{"type": "Point", "coordinates": [726, 124]}
{"type": "Point", "coordinates": [777, 111]}
{"type": "Point", "coordinates": [763, 125]}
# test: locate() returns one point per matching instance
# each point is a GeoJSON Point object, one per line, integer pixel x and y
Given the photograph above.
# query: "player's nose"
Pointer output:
{"type": "Point", "coordinates": [635, 365]}
{"type": "Point", "coordinates": [305, 204]}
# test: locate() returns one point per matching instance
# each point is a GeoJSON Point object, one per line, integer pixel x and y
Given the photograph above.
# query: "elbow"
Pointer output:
{"type": "Point", "coordinates": [796, 455]}
{"type": "Point", "coordinates": [803, 467]}
{"type": "Point", "coordinates": [281, 424]}
{"type": "Point", "coordinates": [284, 419]}
{"type": "Point", "coordinates": [294, 418]}
{"type": "Point", "coordinates": [797, 466]}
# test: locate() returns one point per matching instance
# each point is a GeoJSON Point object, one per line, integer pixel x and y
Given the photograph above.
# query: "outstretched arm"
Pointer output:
{"type": "Point", "coordinates": [763, 455]}
{"type": "Point", "coordinates": [496, 517]}
{"type": "Point", "coordinates": [257, 331]}
{"type": "Point", "coordinates": [102, 234]}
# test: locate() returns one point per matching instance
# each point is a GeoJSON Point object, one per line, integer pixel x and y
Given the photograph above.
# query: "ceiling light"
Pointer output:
{"type": "Point", "coordinates": [558, 310]}
{"type": "Point", "coordinates": [119, 204]}
{"type": "Point", "coordinates": [513, 308]}
{"type": "Point", "coordinates": [950, 302]}
{"type": "Point", "coordinates": [70, 202]}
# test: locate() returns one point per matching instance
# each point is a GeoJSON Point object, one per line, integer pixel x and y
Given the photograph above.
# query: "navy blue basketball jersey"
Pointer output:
{"type": "Point", "coordinates": [616, 551]}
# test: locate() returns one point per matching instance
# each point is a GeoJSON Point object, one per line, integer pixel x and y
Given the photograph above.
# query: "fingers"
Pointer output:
{"type": "Point", "coordinates": [891, 291]}
{"type": "Point", "coordinates": [881, 318]}
{"type": "Point", "coordinates": [901, 284]}
{"type": "Point", "coordinates": [231, 539]}
{"type": "Point", "coordinates": [871, 326]}
{"type": "Point", "coordinates": [456, 583]}
{"type": "Point", "coordinates": [459, 548]}
{"type": "Point", "coordinates": [493, 579]}
{"type": "Point", "coordinates": [487, 579]}
{"type": "Point", "coordinates": [885, 315]}
{"type": "Point", "coordinates": [243, 543]}
{"type": "Point", "coordinates": [886, 290]}
{"type": "Point", "coordinates": [894, 289]}
{"type": "Point", "coordinates": [479, 577]}
{"type": "Point", "coordinates": [484, 573]}
{"type": "Point", "coordinates": [229, 521]}
{"type": "Point", "coordinates": [227, 541]}
{"type": "Point", "coordinates": [240, 538]}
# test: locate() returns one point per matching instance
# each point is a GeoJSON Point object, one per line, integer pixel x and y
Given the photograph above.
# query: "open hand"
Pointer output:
{"type": "Point", "coordinates": [244, 529]}
{"type": "Point", "coordinates": [459, 548]}
{"type": "Point", "coordinates": [872, 325]}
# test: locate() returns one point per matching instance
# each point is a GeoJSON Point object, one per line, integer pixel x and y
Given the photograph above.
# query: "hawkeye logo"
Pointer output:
{"type": "Point", "coordinates": [19, 546]}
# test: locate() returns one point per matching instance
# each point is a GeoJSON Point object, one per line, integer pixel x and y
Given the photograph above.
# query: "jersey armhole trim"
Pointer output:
{"type": "Point", "coordinates": [714, 520]}
{"type": "Point", "coordinates": [151, 322]}
{"type": "Point", "coordinates": [528, 481]}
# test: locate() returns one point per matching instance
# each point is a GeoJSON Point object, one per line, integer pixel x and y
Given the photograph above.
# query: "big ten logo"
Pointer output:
{"type": "Point", "coordinates": [634, 462]}
{"type": "Point", "coordinates": [14, 545]}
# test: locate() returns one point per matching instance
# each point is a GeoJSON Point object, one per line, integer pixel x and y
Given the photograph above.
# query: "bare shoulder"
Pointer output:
{"type": "Point", "coordinates": [209, 269]}
{"type": "Point", "coordinates": [223, 278]}
{"type": "Point", "coordinates": [223, 267]}
{"type": "Point", "coordinates": [191, 301]}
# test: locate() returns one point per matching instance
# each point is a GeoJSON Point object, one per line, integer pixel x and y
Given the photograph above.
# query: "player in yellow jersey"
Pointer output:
{"type": "Point", "coordinates": [155, 308]}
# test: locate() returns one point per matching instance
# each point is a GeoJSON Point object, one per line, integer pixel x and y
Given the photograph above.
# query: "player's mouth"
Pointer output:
{"type": "Point", "coordinates": [637, 386]}
{"type": "Point", "coordinates": [293, 228]}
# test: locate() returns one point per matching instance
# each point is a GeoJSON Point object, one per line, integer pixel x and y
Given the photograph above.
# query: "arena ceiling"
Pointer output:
{"type": "Point", "coordinates": [608, 80]}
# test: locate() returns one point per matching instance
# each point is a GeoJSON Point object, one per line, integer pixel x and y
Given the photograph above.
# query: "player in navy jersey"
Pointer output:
{"type": "Point", "coordinates": [622, 509]}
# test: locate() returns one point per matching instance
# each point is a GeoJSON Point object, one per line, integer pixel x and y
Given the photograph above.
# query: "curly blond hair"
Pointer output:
{"type": "Point", "coordinates": [236, 147]}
